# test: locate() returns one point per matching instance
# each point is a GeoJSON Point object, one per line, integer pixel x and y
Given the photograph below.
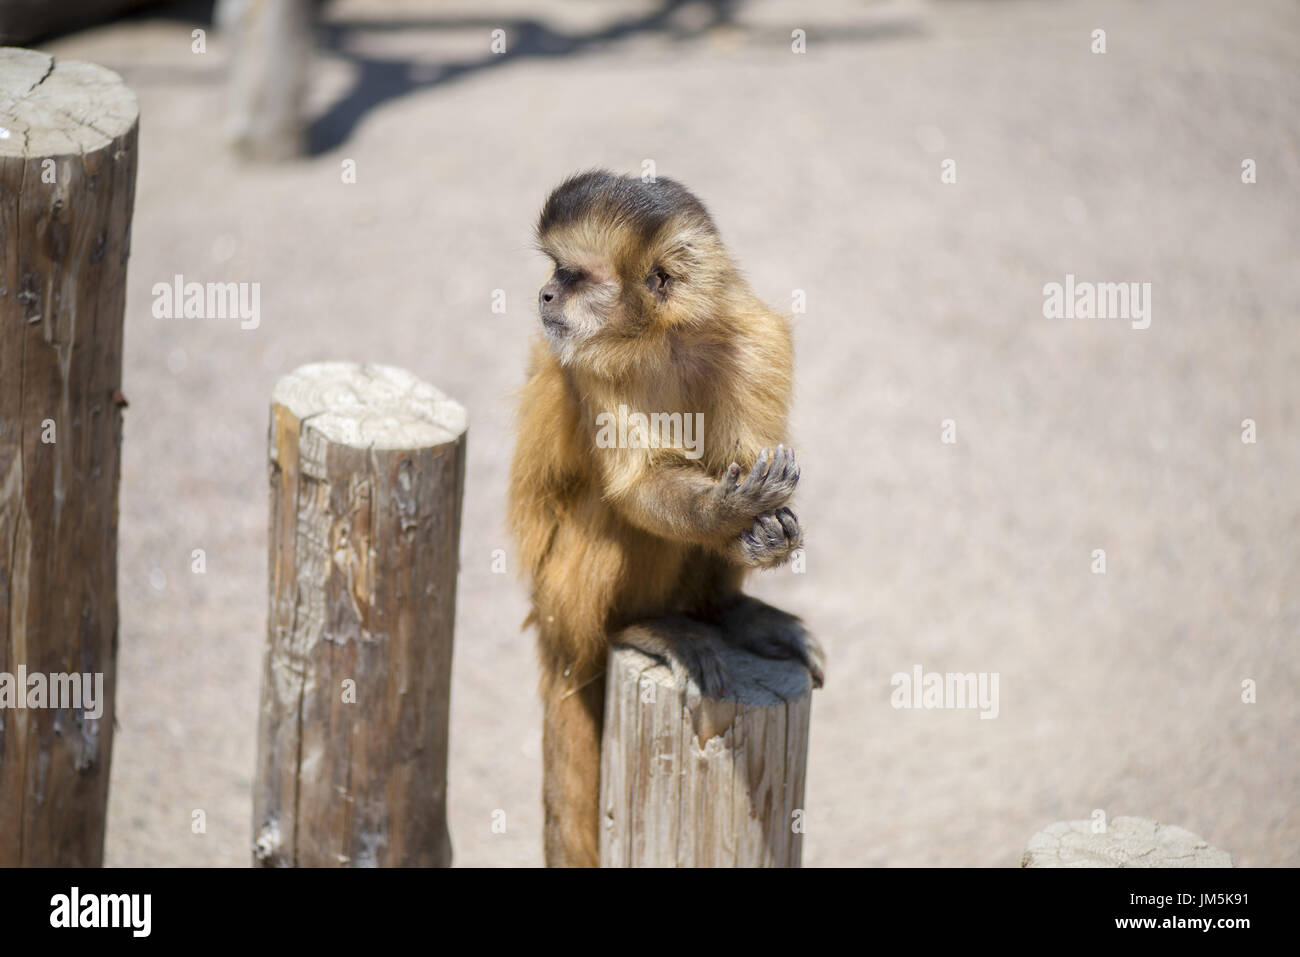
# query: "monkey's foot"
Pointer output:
{"type": "Point", "coordinates": [769, 632]}
{"type": "Point", "coordinates": [690, 648]}
{"type": "Point", "coordinates": [771, 540]}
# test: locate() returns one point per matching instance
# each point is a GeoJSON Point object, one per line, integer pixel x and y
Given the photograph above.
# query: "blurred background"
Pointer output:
{"type": "Point", "coordinates": [824, 170]}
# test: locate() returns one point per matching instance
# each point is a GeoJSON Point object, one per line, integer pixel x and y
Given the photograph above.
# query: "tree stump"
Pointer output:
{"type": "Point", "coordinates": [67, 187]}
{"type": "Point", "coordinates": [271, 45]}
{"type": "Point", "coordinates": [367, 473]}
{"type": "Point", "coordinates": [700, 782]}
{"type": "Point", "coordinates": [1126, 842]}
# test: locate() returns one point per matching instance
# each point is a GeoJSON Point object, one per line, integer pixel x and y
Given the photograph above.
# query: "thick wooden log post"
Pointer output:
{"type": "Point", "coordinates": [270, 53]}
{"type": "Point", "coordinates": [1126, 842]}
{"type": "Point", "coordinates": [698, 782]}
{"type": "Point", "coordinates": [67, 186]}
{"type": "Point", "coordinates": [367, 471]}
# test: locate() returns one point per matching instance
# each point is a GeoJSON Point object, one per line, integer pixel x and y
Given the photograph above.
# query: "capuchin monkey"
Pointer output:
{"type": "Point", "coordinates": [627, 536]}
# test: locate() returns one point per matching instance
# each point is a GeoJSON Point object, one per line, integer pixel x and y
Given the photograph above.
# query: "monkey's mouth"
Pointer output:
{"type": "Point", "coordinates": [554, 325]}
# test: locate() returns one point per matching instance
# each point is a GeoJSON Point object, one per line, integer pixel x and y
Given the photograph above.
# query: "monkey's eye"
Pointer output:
{"type": "Point", "coordinates": [657, 282]}
{"type": "Point", "coordinates": [567, 277]}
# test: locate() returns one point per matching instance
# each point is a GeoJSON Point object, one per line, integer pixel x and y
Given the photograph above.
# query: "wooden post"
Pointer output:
{"type": "Point", "coordinates": [699, 782]}
{"type": "Point", "coordinates": [270, 52]}
{"type": "Point", "coordinates": [367, 471]}
{"type": "Point", "coordinates": [1126, 842]}
{"type": "Point", "coordinates": [67, 186]}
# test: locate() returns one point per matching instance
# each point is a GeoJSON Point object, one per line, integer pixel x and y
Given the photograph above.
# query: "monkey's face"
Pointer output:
{"type": "Point", "coordinates": [579, 301]}
{"type": "Point", "coordinates": [631, 259]}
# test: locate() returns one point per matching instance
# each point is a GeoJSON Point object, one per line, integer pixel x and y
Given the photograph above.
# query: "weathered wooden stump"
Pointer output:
{"type": "Point", "coordinates": [1126, 842]}
{"type": "Point", "coordinates": [271, 46]}
{"type": "Point", "coordinates": [67, 187]}
{"type": "Point", "coordinates": [699, 782]}
{"type": "Point", "coordinates": [367, 473]}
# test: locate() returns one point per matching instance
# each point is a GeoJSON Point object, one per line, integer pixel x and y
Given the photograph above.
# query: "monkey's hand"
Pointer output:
{"type": "Point", "coordinates": [769, 485]}
{"type": "Point", "coordinates": [770, 541]}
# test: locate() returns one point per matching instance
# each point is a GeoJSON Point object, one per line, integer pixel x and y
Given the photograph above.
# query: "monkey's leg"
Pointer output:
{"type": "Point", "coordinates": [770, 633]}
{"type": "Point", "coordinates": [573, 717]}
{"type": "Point", "coordinates": [690, 647]}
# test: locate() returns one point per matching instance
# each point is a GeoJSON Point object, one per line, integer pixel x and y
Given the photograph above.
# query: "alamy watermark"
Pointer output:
{"type": "Point", "coordinates": [61, 690]}
{"type": "Point", "coordinates": [179, 299]}
{"type": "Point", "coordinates": [656, 430]}
{"type": "Point", "coordinates": [130, 911]}
{"type": "Point", "coordinates": [1098, 300]}
{"type": "Point", "coordinates": [946, 690]}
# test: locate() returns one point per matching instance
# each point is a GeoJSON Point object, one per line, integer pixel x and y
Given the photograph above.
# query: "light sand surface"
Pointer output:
{"type": "Point", "coordinates": [1120, 692]}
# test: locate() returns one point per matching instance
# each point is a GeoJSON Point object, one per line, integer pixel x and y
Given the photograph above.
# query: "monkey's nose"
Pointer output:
{"type": "Point", "coordinates": [548, 293]}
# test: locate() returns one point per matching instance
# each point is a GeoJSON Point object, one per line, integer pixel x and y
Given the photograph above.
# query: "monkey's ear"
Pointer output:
{"type": "Point", "coordinates": [657, 282]}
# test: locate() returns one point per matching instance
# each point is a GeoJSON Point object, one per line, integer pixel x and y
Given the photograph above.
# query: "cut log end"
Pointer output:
{"type": "Point", "coordinates": [370, 406]}
{"type": "Point", "coordinates": [1126, 842]}
{"type": "Point", "coordinates": [55, 107]}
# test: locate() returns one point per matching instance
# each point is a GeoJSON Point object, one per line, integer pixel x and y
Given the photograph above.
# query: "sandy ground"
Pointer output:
{"type": "Point", "coordinates": [1119, 692]}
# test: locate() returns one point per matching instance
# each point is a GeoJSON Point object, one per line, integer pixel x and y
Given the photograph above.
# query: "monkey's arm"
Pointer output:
{"type": "Point", "coordinates": [544, 460]}
{"type": "Point", "coordinates": [680, 502]}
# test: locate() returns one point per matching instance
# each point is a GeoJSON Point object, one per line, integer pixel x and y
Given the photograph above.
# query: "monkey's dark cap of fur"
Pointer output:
{"type": "Point", "coordinates": [627, 200]}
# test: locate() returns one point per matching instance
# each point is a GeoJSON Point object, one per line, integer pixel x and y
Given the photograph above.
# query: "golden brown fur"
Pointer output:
{"type": "Point", "coordinates": [612, 537]}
